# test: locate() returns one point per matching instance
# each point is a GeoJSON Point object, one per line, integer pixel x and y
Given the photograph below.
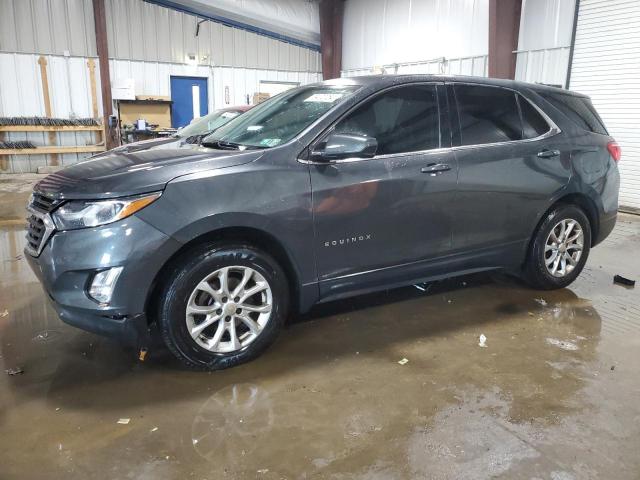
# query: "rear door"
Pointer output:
{"type": "Point", "coordinates": [511, 163]}
{"type": "Point", "coordinates": [374, 217]}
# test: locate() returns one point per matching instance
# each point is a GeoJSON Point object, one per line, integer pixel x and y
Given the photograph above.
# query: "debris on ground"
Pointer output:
{"type": "Point", "coordinates": [530, 314]}
{"type": "Point", "coordinates": [14, 371]}
{"type": "Point", "coordinates": [613, 367]}
{"type": "Point", "coordinates": [624, 281]}
{"type": "Point", "coordinates": [14, 259]}
{"type": "Point", "coordinates": [154, 429]}
{"type": "Point", "coordinates": [124, 421]}
{"type": "Point", "coordinates": [541, 301]}
{"type": "Point", "coordinates": [563, 344]}
{"type": "Point", "coordinates": [423, 287]}
{"type": "Point", "coordinates": [4, 314]}
{"type": "Point", "coordinates": [263, 470]}
{"type": "Point", "coordinates": [46, 335]}
{"type": "Point", "coordinates": [483, 341]}
{"type": "Point", "coordinates": [142, 354]}
{"type": "Point", "coordinates": [404, 361]}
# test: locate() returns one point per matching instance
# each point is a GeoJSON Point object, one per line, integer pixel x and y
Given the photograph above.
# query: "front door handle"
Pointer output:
{"type": "Point", "coordinates": [436, 168]}
{"type": "Point", "coordinates": [548, 153]}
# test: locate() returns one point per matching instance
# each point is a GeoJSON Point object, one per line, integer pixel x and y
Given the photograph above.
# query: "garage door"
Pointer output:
{"type": "Point", "coordinates": [606, 66]}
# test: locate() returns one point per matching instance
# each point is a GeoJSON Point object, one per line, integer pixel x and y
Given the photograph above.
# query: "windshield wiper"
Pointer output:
{"type": "Point", "coordinates": [221, 145]}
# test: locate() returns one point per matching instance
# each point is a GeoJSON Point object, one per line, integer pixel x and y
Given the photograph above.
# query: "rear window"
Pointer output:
{"type": "Point", "coordinates": [579, 109]}
{"type": "Point", "coordinates": [487, 115]}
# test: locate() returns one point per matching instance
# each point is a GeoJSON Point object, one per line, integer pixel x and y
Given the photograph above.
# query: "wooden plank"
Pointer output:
{"type": "Point", "coordinates": [92, 83]}
{"type": "Point", "coordinates": [47, 103]}
{"type": "Point", "coordinates": [94, 95]}
{"type": "Point", "coordinates": [4, 162]}
{"type": "Point", "coordinates": [51, 150]}
{"type": "Point", "coordinates": [53, 128]}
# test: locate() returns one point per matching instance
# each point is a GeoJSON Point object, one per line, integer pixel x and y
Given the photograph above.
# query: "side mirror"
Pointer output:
{"type": "Point", "coordinates": [344, 145]}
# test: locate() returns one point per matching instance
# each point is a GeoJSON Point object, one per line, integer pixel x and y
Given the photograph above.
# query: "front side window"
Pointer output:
{"type": "Point", "coordinates": [279, 119]}
{"type": "Point", "coordinates": [402, 120]}
{"type": "Point", "coordinates": [487, 115]}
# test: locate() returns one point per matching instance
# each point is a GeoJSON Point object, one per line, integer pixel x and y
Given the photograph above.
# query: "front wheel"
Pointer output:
{"type": "Point", "coordinates": [223, 306]}
{"type": "Point", "coordinates": [559, 249]}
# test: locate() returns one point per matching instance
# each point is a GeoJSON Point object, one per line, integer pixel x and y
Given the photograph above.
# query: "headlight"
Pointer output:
{"type": "Point", "coordinates": [82, 214]}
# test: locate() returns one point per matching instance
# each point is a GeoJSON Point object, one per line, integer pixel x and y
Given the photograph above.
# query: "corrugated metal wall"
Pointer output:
{"type": "Point", "coordinates": [21, 93]}
{"type": "Point", "coordinates": [544, 41]}
{"type": "Point", "coordinates": [606, 66]}
{"type": "Point", "coordinates": [383, 32]}
{"type": "Point", "coordinates": [47, 27]}
{"type": "Point", "coordinates": [477, 66]}
{"type": "Point", "coordinates": [147, 42]}
{"type": "Point", "coordinates": [144, 31]}
{"type": "Point", "coordinates": [138, 30]}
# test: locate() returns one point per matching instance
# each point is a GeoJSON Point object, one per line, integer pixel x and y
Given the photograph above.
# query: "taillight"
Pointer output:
{"type": "Point", "coordinates": [614, 150]}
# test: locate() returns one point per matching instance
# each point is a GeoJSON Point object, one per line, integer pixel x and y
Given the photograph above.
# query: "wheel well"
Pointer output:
{"type": "Point", "coordinates": [585, 204]}
{"type": "Point", "coordinates": [252, 236]}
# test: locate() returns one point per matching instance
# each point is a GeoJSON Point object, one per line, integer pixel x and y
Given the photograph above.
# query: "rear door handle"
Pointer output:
{"type": "Point", "coordinates": [436, 168]}
{"type": "Point", "coordinates": [548, 153]}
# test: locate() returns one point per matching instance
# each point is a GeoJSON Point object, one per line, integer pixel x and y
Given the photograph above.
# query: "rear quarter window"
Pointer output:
{"type": "Point", "coordinates": [580, 111]}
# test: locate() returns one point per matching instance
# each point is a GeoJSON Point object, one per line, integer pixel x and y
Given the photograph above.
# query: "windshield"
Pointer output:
{"type": "Point", "coordinates": [280, 118]}
{"type": "Point", "coordinates": [208, 123]}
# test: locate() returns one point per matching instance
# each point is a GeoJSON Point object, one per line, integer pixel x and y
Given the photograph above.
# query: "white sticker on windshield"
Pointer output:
{"type": "Point", "coordinates": [324, 97]}
{"type": "Point", "coordinates": [270, 142]}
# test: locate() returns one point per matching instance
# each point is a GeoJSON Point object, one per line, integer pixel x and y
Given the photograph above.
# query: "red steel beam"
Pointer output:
{"type": "Point", "coordinates": [504, 27]}
{"type": "Point", "coordinates": [102, 48]}
{"type": "Point", "coordinates": [331, 15]}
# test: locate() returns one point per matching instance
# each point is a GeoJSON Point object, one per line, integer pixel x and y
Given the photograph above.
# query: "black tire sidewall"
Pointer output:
{"type": "Point", "coordinates": [537, 270]}
{"type": "Point", "coordinates": [197, 265]}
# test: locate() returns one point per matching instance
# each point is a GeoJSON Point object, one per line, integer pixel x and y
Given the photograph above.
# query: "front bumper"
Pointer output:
{"type": "Point", "coordinates": [69, 260]}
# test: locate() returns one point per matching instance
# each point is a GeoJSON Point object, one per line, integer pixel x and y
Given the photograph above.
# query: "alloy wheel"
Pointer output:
{"type": "Point", "coordinates": [563, 248]}
{"type": "Point", "coordinates": [229, 309]}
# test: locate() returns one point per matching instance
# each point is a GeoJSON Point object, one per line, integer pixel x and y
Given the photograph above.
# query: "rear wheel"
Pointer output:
{"type": "Point", "coordinates": [559, 249]}
{"type": "Point", "coordinates": [224, 306]}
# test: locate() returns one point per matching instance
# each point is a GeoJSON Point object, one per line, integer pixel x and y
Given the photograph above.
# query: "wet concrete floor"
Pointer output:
{"type": "Point", "coordinates": [554, 395]}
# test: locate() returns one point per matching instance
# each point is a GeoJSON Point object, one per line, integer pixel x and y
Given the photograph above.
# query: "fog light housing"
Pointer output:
{"type": "Point", "coordinates": [103, 283]}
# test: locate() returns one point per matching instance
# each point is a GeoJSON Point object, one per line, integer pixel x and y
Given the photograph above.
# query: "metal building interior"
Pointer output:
{"type": "Point", "coordinates": [477, 376]}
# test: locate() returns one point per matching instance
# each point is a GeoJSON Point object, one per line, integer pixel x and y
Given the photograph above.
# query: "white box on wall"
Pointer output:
{"type": "Point", "coordinates": [123, 89]}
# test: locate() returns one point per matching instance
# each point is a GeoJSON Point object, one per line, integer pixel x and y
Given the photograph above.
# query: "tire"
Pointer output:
{"type": "Point", "coordinates": [183, 289]}
{"type": "Point", "coordinates": [535, 271]}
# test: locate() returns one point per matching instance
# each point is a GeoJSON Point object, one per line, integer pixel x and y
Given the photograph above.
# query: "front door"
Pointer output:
{"type": "Point", "coordinates": [376, 217]}
{"type": "Point", "coordinates": [190, 100]}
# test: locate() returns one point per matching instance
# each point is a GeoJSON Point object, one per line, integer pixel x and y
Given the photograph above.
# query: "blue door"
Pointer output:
{"type": "Point", "coordinates": [190, 100]}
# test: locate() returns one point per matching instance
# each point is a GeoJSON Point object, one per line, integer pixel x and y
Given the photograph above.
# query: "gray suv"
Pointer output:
{"type": "Point", "coordinates": [324, 192]}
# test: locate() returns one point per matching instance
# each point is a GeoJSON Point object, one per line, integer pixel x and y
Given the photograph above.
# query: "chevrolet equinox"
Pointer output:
{"type": "Point", "coordinates": [324, 192]}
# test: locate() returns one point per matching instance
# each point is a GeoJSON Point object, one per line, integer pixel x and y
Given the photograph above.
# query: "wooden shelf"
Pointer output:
{"type": "Point", "coordinates": [49, 150]}
{"type": "Point", "coordinates": [50, 128]}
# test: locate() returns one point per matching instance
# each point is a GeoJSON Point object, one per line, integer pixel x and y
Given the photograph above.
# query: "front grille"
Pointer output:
{"type": "Point", "coordinates": [39, 223]}
{"type": "Point", "coordinates": [42, 203]}
{"type": "Point", "coordinates": [35, 232]}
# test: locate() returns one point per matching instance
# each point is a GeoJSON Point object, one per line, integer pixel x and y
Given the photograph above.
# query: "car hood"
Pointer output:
{"type": "Point", "coordinates": [116, 174]}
